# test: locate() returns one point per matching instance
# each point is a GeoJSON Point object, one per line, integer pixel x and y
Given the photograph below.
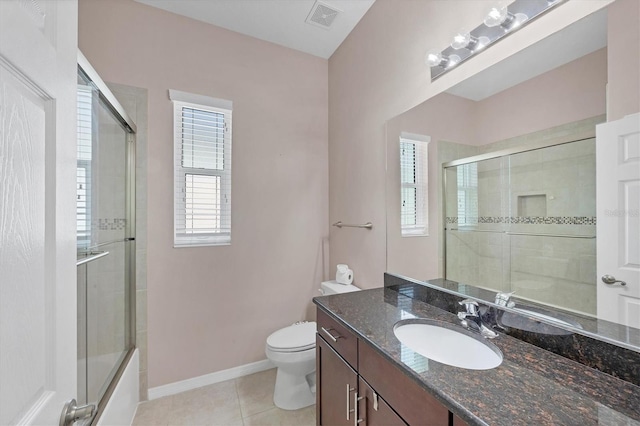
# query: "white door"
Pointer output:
{"type": "Point", "coordinates": [618, 228]}
{"type": "Point", "coordinates": [38, 54]}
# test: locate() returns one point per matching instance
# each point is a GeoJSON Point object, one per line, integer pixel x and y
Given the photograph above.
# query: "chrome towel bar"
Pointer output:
{"type": "Point", "coordinates": [339, 224]}
{"type": "Point", "coordinates": [95, 255]}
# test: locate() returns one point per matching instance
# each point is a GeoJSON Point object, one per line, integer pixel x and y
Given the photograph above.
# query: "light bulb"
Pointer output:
{"type": "Point", "coordinates": [496, 16]}
{"type": "Point", "coordinates": [433, 58]}
{"type": "Point", "coordinates": [462, 39]}
{"type": "Point", "coordinates": [483, 42]}
{"type": "Point", "coordinates": [500, 16]}
{"type": "Point", "coordinates": [452, 61]}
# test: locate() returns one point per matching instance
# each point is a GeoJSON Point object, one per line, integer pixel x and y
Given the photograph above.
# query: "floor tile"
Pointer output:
{"type": "Point", "coordinates": [152, 413]}
{"type": "Point", "coordinates": [255, 392]}
{"type": "Point", "coordinates": [244, 401]}
{"type": "Point", "coordinates": [216, 404]}
{"type": "Point", "coordinates": [278, 417]}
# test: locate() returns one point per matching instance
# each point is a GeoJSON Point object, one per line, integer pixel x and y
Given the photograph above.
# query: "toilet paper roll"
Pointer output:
{"type": "Point", "coordinates": [344, 277]}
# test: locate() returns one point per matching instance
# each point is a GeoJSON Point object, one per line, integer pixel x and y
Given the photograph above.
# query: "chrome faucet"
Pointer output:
{"type": "Point", "coordinates": [504, 301]}
{"type": "Point", "coordinates": [470, 318]}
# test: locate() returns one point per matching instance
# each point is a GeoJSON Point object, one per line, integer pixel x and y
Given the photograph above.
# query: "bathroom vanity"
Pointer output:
{"type": "Point", "coordinates": [366, 376]}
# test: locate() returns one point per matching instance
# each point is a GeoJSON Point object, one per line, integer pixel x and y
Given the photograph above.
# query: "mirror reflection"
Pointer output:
{"type": "Point", "coordinates": [493, 183]}
{"type": "Point", "coordinates": [525, 223]}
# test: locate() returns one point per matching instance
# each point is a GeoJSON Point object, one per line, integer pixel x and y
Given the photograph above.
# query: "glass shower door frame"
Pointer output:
{"type": "Point", "coordinates": [109, 101]}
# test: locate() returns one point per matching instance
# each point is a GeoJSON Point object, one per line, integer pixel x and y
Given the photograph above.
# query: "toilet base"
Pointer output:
{"type": "Point", "coordinates": [292, 392]}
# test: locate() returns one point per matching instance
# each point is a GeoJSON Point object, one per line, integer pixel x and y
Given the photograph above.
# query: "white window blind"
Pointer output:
{"type": "Point", "coordinates": [202, 171]}
{"type": "Point", "coordinates": [467, 176]}
{"type": "Point", "coordinates": [83, 168]}
{"type": "Point", "coordinates": [414, 193]}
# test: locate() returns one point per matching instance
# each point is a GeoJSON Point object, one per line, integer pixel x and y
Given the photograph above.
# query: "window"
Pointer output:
{"type": "Point", "coordinates": [414, 185]}
{"type": "Point", "coordinates": [202, 170]}
{"type": "Point", "coordinates": [83, 167]}
{"type": "Point", "coordinates": [467, 176]}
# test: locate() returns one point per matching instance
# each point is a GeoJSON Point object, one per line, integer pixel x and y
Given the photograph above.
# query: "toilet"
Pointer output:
{"type": "Point", "coordinates": [292, 350]}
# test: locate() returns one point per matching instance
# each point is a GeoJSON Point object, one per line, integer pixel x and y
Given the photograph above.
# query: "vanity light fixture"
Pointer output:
{"type": "Point", "coordinates": [498, 23]}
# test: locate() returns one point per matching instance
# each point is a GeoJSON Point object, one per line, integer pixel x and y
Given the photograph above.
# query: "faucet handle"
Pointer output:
{"type": "Point", "coordinates": [470, 305]}
{"type": "Point", "coordinates": [502, 299]}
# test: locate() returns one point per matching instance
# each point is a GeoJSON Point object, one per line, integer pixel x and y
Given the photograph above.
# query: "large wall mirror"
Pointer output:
{"type": "Point", "coordinates": [493, 182]}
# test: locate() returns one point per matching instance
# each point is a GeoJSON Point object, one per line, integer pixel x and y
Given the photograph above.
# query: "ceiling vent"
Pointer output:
{"type": "Point", "coordinates": [322, 15]}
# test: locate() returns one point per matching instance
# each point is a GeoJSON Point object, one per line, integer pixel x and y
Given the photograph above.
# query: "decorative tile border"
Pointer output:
{"type": "Point", "coordinates": [109, 224]}
{"type": "Point", "coordinates": [528, 220]}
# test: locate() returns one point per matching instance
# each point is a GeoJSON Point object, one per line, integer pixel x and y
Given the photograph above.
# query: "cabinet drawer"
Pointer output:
{"type": "Point", "coordinates": [414, 404]}
{"type": "Point", "coordinates": [339, 338]}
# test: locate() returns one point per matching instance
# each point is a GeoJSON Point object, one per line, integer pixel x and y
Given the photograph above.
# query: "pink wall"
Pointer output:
{"type": "Point", "coordinates": [211, 308]}
{"type": "Point", "coordinates": [377, 73]}
{"type": "Point", "coordinates": [624, 64]}
{"type": "Point", "coordinates": [569, 93]}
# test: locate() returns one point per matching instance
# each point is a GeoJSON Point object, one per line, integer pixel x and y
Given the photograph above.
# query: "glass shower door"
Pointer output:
{"type": "Point", "coordinates": [105, 244]}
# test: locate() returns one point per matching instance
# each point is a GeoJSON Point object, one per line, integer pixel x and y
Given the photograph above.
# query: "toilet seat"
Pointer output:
{"type": "Point", "coordinates": [294, 338]}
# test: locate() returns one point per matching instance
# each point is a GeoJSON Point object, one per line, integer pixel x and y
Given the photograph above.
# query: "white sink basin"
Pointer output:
{"type": "Point", "coordinates": [448, 344]}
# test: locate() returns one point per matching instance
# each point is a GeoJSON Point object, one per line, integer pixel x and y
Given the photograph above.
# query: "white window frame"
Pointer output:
{"type": "Point", "coordinates": [467, 197]}
{"type": "Point", "coordinates": [421, 143]}
{"type": "Point", "coordinates": [84, 167]}
{"type": "Point", "coordinates": [184, 239]}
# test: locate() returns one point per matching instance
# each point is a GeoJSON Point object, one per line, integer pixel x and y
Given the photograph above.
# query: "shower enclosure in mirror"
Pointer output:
{"type": "Point", "coordinates": [523, 220]}
{"type": "Point", "coordinates": [105, 241]}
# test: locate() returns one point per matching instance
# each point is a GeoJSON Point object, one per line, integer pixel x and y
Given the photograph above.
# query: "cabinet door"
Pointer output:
{"type": "Point", "coordinates": [457, 421]}
{"type": "Point", "coordinates": [337, 385]}
{"type": "Point", "coordinates": [408, 399]}
{"type": "Point", "coordinates": [373, 410]}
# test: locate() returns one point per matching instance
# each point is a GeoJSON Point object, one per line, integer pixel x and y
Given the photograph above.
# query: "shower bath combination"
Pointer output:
{"type": "Point", "coordinates": [105, 212]}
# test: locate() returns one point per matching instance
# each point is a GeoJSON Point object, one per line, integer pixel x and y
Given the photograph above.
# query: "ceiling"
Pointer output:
{"type": "Point", "coordinates": [278, 21]}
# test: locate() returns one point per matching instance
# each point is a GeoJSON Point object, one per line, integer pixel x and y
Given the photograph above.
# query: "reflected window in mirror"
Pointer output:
{"type": "Point", "coordinates": [414, 217]}
{"type": "Point", "coordinates": [467, 175]}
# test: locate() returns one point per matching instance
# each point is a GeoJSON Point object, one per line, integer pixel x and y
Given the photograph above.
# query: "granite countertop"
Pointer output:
{"type": "Point", "coordinates": [531, 386]}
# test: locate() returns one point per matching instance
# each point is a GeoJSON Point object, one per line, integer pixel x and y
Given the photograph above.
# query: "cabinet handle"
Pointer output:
{"type": "Point", "coordinates": [356, 398]}
{"type": "Point", "coordinates": [349, 390]}
{"type": "Point", "coordinates": [331, 336]}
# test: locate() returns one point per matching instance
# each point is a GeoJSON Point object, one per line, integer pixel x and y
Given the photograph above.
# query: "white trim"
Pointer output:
{"type": "Point", "coordinates": [102, 87]}
{"type": "Point", "coordinates": [209, 379]}
{"type": "Point", "coordinates": [415, 137]}
{"type": "Point", "coordinates": [192, 98]}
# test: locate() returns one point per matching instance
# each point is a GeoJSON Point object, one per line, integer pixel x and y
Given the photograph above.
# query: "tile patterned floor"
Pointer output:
{"type": "Point", "coordinates": [245, 401]}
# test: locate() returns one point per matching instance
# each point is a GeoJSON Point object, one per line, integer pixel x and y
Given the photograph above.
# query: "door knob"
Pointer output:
{"type": "Point", "coordinates": [71, 413]}
{"type": "Point", "coordinates": [610, 279]}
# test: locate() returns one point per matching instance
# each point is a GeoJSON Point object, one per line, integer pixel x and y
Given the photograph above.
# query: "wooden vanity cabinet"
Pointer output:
{"type": "Point", "coordinates": [336, 379]}
{"type": "Point", "coordinates": [349, 372]}
{"type": "Point", "coordinates": [336, 385]}
{"type": "Point", "coordinates": [373, 410]}
{"type": "Point", "coordinates": [457, 421]}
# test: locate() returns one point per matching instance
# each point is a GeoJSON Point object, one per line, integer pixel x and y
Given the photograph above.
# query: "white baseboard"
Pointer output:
{"type": "Point", "coordinates": [209, 379]}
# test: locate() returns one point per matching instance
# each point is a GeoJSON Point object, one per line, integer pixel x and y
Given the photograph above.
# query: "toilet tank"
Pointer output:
{"type": "Point", "coordinates": [333, 287]}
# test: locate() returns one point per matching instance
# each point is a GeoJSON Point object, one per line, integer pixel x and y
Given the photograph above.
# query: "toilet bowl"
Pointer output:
{"type": "Point", "coordinates": [292, 350]}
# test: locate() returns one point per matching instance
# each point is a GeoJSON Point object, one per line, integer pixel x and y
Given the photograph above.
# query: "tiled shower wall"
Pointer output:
{"type": "Point", "coordinates": [547, 191]}
{"type": "Point", "coordinates": [134, 101]}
